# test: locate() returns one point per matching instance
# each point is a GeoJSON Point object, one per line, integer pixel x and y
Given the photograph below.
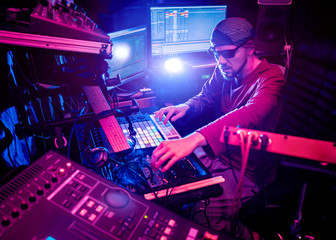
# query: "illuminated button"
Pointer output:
{"type": "Point", "coordinates": [99, 208]}
{"type": "Point", "coordinates": [90, 204]}
{"type": "Point", "coordinates": [167, 231]}
{"type": "Point", "coordinates": [193, 232]}
{"type": "Point", "coordinates": [110, 214]}
{"type": "Point", "coordinates": [208, 235]}
{"type": "Point", "coordinates": [163, 238]}
{"type": "Point", "coordinates": [171, 222]}
{"type": "Point", "coordinates": [68, 165]}
{"type": "Point", "coordinates": [92, 217]}
{"type": "Point", "coordinates": [61, 171]}
{"type": "Point", "coordinates": [80, 176]}
{"type": "Point", "coordinates": [83, 212]}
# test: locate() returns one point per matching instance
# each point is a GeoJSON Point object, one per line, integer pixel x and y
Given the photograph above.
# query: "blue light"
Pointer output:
{"type": "Point", "coordinates": [50, 238]}
{"type": "Point", "coordinates": [122, 52]}
{"type": "Point", "coordinates": [174, 65]}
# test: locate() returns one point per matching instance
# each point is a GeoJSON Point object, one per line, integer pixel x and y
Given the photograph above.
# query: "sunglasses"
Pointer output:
{"type": "Point", "coordinates": [230, 53]}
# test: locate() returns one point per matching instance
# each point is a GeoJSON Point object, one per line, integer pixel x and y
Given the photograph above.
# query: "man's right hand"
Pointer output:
{"type": "Point", "coordinates": [172, 112]}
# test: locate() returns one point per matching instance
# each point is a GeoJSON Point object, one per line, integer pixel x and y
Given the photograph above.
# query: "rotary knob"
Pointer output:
{"type": "Point", "coordinates": [39, 191]}
{"type": "Point", "coordinates": [47, 184]}
{"type": "Point", "coordinates": [5, 221]}
{"type": "Point", "coordinates": [24, 205]}
{"type": "Point", "coordinates": [15, 213]}
{"type": "Point", "coordinates": [53, 178]}
{"type": "Point", "coordinates": [32, 198]}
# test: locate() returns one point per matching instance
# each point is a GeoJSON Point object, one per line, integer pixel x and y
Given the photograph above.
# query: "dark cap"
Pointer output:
{"type": "Point", "coordinates": [232, 31]}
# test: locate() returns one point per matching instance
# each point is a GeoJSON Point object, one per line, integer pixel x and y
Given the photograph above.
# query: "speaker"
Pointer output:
{"type": "Point", "coordinates": [271, 28]}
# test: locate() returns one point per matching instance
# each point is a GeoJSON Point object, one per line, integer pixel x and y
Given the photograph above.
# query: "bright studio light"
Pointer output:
{"type": "Point", "coordinates": [122, 52]}
{"type": "Point", "coordinates": [174, 65]}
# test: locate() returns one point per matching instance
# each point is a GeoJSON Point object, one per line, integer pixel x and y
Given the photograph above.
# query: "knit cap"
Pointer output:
{"type": "Point", "coordinates": [232, 31]}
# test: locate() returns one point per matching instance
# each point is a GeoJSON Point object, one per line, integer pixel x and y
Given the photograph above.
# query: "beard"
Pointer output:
{"type": "Point", "coordinates": [227, 75]}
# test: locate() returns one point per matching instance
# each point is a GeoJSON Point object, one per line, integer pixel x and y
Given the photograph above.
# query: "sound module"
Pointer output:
{"type": "Point", "coordinates": [56, 198]}
{"type": "Point", "coordinates": [293, 146]}
{"type": "Point", "coordinates": [62, 21]}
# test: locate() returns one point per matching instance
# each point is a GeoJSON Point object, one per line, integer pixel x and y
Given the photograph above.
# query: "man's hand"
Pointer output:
{"type": "Point", "coordinates": [172, 112]}
{"type": "Point", "coordinates": [174, 150]}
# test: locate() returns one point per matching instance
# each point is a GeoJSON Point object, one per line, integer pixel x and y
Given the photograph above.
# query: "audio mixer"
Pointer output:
{"type": "Point", "coordinates": [56, 198]}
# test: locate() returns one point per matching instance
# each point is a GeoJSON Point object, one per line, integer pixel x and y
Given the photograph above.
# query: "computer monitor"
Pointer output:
{"type": "Point", "coordinates": [129, 51]}
{"type": "Point", "coordinates": [182, 29]}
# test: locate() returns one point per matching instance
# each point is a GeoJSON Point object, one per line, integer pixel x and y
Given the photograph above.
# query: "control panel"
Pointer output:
{"type": "Point", "coordinates": [55, 198]}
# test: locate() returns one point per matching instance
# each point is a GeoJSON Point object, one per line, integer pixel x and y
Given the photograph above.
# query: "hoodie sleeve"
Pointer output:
{"type": "Point", "coordinates": [262, 109]}
{"type": "Point", "coordinates": [209, 95]}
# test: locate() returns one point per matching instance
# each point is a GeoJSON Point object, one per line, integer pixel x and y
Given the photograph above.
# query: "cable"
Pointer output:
{"type": "Point", "coordinates": [73, 129]}
{"type": "Point", "coordinates": [125, 167]}
{"type": "Point", "coordinates": [226, 141]}
{"type": "Point", "coordinates": [29, 152]}
{"type": "Point", "coordinates": [245, 149]}
{"type": "Point", "coordinates": [203, 211]}
{"type": "Point", "coordinates": [22, 73]}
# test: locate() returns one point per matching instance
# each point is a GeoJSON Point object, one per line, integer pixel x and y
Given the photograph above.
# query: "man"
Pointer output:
{"type": "Point", "coordinates": [243, 91]}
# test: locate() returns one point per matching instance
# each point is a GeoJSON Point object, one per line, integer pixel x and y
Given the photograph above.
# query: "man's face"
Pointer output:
{"type": "Point", "coordinates": [230, 59]}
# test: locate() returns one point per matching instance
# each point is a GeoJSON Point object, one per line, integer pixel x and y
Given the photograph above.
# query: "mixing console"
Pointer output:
{"type": "Point", "coordinates": [55, 198]}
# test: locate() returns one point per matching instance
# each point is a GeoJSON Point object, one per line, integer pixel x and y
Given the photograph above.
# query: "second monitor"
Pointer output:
{"type": "Point", "coordinates": [129, 54]}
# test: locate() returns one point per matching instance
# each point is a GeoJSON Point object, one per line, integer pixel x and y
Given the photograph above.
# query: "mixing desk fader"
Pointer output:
{"type": "Point", "coordinates": [56, 198]}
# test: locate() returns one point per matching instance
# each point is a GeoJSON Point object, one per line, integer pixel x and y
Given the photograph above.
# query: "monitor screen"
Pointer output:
{"type": "Point", "coordinates": [129, 51]}
{"type": "Point", "coordinates": [183, 29]}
